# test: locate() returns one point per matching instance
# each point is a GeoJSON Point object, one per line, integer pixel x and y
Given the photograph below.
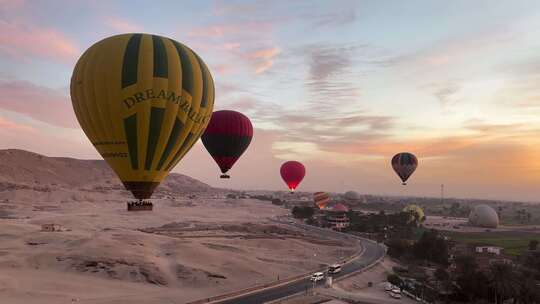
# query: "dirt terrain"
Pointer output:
{"type": "Point", "coordinates": [196, 243]}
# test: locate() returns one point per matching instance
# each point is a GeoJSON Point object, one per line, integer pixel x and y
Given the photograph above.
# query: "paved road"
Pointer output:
{"type": "Point", "coordinates": [371, 254]}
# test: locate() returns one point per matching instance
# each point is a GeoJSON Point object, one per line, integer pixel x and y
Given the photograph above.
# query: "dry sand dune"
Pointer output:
{"type": "Point", "coordinates": [185, 249]}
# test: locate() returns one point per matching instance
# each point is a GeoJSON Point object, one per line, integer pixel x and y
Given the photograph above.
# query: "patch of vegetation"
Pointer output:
{"type": "Point", "coordinates": [392, 225]}
{"type": "Point", "coordinates": [514, 243]}
{"type": "Point", "coordinates": [430, 247]}
{"type": "Point", "coordinates": [302, 212]}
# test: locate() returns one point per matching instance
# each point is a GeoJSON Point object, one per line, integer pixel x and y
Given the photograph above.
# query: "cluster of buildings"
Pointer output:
{"type": "Point", "coordinates": [328, 213]}
{"type": "Point", "coordinates": [484, 255]}
{"type": "Point", "coordinates": [335, 216]}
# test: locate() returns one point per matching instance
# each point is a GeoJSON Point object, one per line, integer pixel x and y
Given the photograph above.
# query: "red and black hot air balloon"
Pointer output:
{"type": "Point", "coordinates": [293, 173]}
{"type": "Point", "coordinates": [227, 136]}
{"type": "Point", "coordinates": [404, 164]}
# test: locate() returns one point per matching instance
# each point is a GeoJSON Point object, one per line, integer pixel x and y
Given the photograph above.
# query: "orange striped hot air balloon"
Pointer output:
{"type": "Point", "coordinates": [321, 199]}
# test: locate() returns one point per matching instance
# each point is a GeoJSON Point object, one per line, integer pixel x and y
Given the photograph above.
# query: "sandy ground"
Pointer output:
{"type": "Point", "coordinates": [183, 250]}
{"type": "Point", "coordinates": [303, 299]}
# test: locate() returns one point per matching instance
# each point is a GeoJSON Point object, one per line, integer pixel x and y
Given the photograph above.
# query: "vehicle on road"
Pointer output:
{"type": "Point", "coordinates": [317, 276]}
{"type": "Point", "coordinates": [334, 269]}
{"type": "Point", "coordinates": [395, 295]}
{"type": "Point", "coordinates": [388, 287]}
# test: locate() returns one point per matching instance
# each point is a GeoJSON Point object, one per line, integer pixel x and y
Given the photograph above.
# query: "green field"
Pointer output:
{"type": "Point", "coordinates": [513, 242]}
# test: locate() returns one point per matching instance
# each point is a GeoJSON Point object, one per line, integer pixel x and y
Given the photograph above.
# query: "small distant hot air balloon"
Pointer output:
{"type": "Point", "coordinates": [143, 101]}
{"type": "Point", "coordinates": [293, 173]}
{"type": "Point", "coordinates": [227, 136]}
{"type": "Point", "coordinates": [404, 164]}
{"type": "Point", "coordinates": [321, 199]}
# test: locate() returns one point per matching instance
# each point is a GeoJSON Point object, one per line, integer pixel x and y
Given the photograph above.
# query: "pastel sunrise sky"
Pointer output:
{"type": "Point", "coordinates": [339, 85]}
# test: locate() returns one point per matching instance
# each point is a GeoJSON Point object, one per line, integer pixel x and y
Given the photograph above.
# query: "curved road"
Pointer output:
{"type": "Point", "coordinates": [371, 253]}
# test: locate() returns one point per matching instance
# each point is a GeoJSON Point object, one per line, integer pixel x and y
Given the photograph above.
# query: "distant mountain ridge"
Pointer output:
{"type": "Point", "coordinates": [20, 169]}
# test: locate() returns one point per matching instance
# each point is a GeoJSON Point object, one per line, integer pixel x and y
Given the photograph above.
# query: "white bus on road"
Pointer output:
{"type": "Point", "coordinates": [317, 276]}
{"type": "Point", "coordinates": [333, 269]}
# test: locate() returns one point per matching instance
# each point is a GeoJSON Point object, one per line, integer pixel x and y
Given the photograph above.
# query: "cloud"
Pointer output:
{"type": "Point", "coordinates": [335, 19]}
{"type": "Point", "coordinates": [328, 62]}
{"type": "Point", "coordinates": [445, 92]}
{"type": "Point", "coordinates": [268, 53]}
{"type": "Point", "coordinates": [520, 92]}
{"type": "Point", "coordinates": [264, 66]}
{"type": "Point", "coordinates": [231, 46]}
{"type": "Point", "coordinates": [306, 125]}
{"type": "Point", "coordinates": [24, 41]}
{"type": "Point", "coordinates": [214, 31]}
{"type": "Point", "coordinates": [222, 69]}
{"type": "Point", "coordinates": [332, 80]}
{"type": "Point", "coordinates": [243, 103]}
{"type": "Point", "coordinates": [468, 166]}
{"type": "Point", "coordinates": [479, 134]}
{"type": "Point", "coordinates": [263, 59]}
{"type": "Point", "coordinates": [9, 5]}
{"type": "Point", "coordinates": [230, 30]}
{"type": "Point", "coordinates": [221, 8]}
{"type": "Point", "coordinates": [247, 42]}
{"type": "Point", "coordinates": [528, 103]}
{"type": "Point", "coordinates": [9, 126]}
{"type": "Point", "coordinates": [457, 50]}
{"type": "Point", "coordinates": [122, 25]}
{"type": "Point", "coordinates": [40, 103]}
{"type": "Point", "coordinates": [45, 139]}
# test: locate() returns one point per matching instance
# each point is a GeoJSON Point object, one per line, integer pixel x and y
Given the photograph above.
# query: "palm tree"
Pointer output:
{"type": "Point", "coordinates": [503, 281]}
{"type": "Point", "coordinates": [444, 282]}
{"type": "Point", "coordinates": [527, 292]}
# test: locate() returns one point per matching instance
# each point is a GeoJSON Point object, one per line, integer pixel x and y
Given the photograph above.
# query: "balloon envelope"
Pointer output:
{"type": "Point", "coordinates": [227, 136]}
{"type": "Point", "coordinates": [143, 101]}
{"type": "Point", "coordinates": [321, 199]}
{"type": "Point", "coordinates": [293, 173]}
{"type": "Point", "coordinates": [404, 164]}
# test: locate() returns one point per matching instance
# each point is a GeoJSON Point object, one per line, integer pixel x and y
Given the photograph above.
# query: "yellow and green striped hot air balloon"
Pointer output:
{"type": "Point", "coordinates": [143, 101]}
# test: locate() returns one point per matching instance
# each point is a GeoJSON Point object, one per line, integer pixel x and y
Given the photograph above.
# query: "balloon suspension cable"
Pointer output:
{"type": "Point", "coordinates": [224, 176]}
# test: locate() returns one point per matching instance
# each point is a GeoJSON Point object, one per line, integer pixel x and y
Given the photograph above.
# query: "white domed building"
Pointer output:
{"type": "Point", "coordinates": [484, 216]}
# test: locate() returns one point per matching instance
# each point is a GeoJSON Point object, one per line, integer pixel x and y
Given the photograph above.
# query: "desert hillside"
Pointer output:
{"type": "Point", "coordinates": [24, 174]}
{"type": "Point", "coordinates": [196, 243]}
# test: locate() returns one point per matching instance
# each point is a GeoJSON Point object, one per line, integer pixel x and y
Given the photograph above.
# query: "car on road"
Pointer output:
{"type": "Point", "coordinates": [395, 295]}
{"type": "Point", "coordinates": [317, 276]}
{"type": "Point", "coordinates": [388, 286]}
{"type": "Point", "coordinates": [334, 269]}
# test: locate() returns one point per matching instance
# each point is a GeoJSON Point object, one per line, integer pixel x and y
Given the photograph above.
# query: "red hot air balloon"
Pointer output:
{"type": "Point", "coordinates": [293, 173]}
{"type": "Point", "coordinates": [227, 136]}
{"type": "Point", "coordinates": [404, 164]}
